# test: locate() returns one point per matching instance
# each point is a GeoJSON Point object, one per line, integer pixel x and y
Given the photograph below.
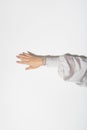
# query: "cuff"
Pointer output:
{"type": "Point", "coordinates": [51, 61]}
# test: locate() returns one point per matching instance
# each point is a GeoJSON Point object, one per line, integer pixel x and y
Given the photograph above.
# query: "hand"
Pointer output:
{"type": "Point", "coordinates": [30, 59]}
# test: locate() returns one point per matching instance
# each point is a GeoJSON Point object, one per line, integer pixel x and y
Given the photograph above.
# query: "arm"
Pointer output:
{"type": "Point", "coordinates": [70, 67]}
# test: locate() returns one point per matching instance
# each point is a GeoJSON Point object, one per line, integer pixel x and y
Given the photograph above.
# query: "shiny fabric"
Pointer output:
{"type": "Point", "coordinates": [71, 68]}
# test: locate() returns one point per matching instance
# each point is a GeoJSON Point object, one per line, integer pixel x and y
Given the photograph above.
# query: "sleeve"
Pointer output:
{"type": "Point", "coordinates": [70, 67]}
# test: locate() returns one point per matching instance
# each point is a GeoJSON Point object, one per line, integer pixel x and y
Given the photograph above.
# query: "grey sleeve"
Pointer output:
{"type": "Point", "coordinates": [51, 61]}
{"type": "Point", "coordinates": [70, 67]}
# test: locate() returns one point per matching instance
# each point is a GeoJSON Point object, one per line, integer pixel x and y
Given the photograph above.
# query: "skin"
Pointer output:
{"type": "Point", "coordinates": [33, 61]}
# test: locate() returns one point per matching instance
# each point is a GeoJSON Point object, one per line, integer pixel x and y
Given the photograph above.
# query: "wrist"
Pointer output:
{"type": "Point", "coordinates": [43, 60]}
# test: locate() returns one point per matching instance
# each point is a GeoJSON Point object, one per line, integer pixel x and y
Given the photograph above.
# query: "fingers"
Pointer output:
{"type": "Point", "coordinates": [22, 62]}
{"type": "Point", "coordinates": [25, 55]}
{"type": "Point", "coordinates": [23, 58]}
{"type": "Point", "coordinates": [28, 53]}
{"type": "Point", "coordinates": [31, 53]}
{"type": "Point", "coordinates": [27, 58]}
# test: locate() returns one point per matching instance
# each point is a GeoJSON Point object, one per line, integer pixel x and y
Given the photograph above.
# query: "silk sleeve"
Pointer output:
{"type": "Point", "coordinates": [70, 67]}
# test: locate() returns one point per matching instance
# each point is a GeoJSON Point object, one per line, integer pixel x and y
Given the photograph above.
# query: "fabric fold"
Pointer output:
{"type": "Point", "coordinates": [70, 67]}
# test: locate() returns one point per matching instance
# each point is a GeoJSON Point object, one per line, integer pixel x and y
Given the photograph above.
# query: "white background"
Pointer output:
{"type": "Point", "coordinates": [39, 99]}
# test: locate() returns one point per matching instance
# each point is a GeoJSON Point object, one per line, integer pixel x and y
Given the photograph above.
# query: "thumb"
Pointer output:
{"type": "Point", "coordinates": [30, 67]}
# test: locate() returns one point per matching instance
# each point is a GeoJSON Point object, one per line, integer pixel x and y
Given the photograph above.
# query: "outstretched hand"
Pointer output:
{"type": "Point", "coordinates": [33, 61]}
